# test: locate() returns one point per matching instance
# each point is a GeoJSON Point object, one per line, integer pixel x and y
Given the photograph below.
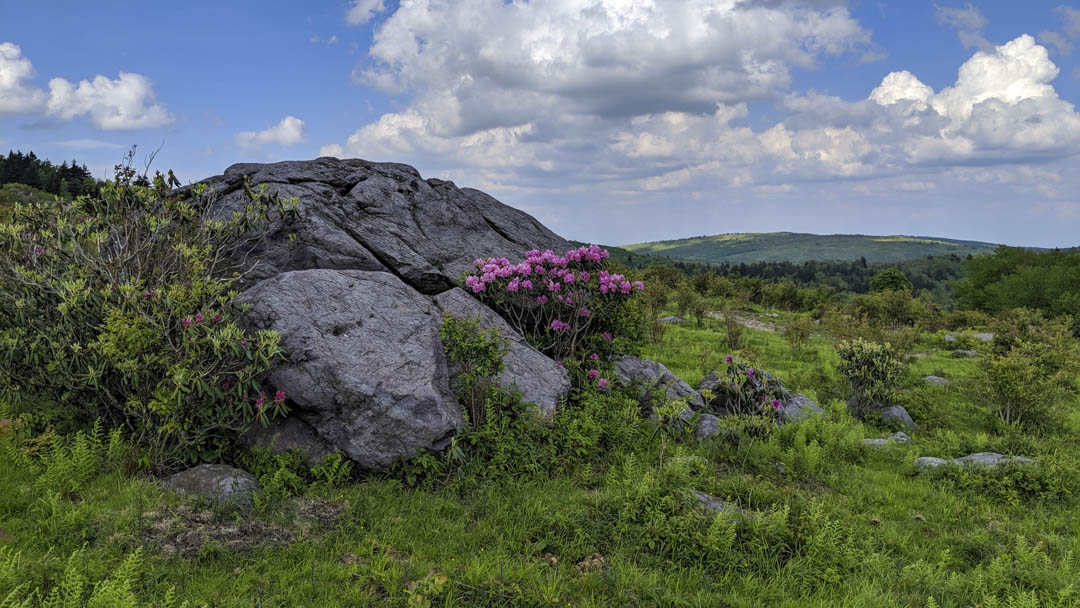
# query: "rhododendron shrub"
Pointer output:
{"type": "Point", "coordinates": [118, 307]}
{"type": "Point", "coordinates": [568, 306]}
{"type": "Point", "coordinates": [744, 389]}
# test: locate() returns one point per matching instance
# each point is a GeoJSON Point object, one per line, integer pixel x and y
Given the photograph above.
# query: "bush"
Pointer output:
{"type": "Point", "coordinates": [797, 332]}
{"type": "Point", "coordinates": [566, 306]}
{"type": "Point", "coordinates": [479, 355]}
{"type": "Point", "coordinates": [742, 389]}
{"type": "Point", "coordinates": [1028, 385]}
{"type": "Point", "coordinates": [118, 307]}
{"type": "Point", "coordinates": [872, 372]}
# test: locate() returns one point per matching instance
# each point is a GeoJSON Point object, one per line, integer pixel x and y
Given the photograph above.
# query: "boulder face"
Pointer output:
{"type": "Point", "coordinates": [357, 293]}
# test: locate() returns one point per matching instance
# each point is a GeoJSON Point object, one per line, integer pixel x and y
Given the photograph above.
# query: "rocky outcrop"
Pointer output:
{"type": "Point", "coordinates": [356, 283]}
{"type": "Point", "coordinates": [647, 376]}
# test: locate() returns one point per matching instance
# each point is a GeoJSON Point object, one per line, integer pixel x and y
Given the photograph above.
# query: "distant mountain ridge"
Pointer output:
{"type": "Point", "coordinates": [735, 248]}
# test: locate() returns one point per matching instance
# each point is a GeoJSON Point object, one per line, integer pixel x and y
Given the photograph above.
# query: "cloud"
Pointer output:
{"type": "Point", "coordinates": [128, 102]}
{"type": "Point", "coordinates": [967, 18]}
{"type": "Point", "coordinates": [362, 11]}
{"type": "Point", "coordinates": [288, 132]}
{"type": "Point", "coordinates": [1071, 18]}
{"type": "Point", "coordinates": [88, 144]}
{"type": "Point", "coordinates": [315, 39]}
{"type": "Point", "coordinates": [1056, 40]}
{"type": "Point", "coordinates": [968, 22]}
{"type": "Point", "coordinates": [16, 97]}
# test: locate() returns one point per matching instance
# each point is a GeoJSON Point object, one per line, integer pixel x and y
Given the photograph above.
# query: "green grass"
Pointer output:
{"type": "Point", "coordinates": [827, 521]}
{"type": "Point", "coordinates": [18, 193]}
{"type": "Point", "coordinates": [800, 247]}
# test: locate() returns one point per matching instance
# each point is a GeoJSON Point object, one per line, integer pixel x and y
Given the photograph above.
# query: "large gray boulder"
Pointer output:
{"type": "Point", "coordinates": [650, 376]}
{"type": "Point", "coordinates": [541, 380]}
{"type": "Point", "coordinates": [356, 282]}
{"type": "Point", "coordinates": [359, 215]}
{"type": "Point", "coordinates": [225, 485]}
{"type": "Point", "coordinates": [366, 366]}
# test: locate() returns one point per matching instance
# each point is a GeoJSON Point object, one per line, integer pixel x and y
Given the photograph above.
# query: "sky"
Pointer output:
{"type": "Point", "coordinates": [611, 121]}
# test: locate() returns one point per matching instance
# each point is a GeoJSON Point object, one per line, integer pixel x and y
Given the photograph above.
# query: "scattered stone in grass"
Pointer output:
{"type": "Point", "coordinates": [673, 320]}
{"type": "Point", "coordinates": [225, 485]}
{"type": "Point", "coordinates": [594, 563]}
{"type": "Point", "coordinates": [551, 560]}
{"type": "Point", "coordinates": [898, 437]}
{"type": "Point", "coordinates": [949, 338]}
{"type": "Point", "coordinates": [936, 380]}
{"type": "Point", "coordinates": [985, 337]}
{"type": "Point", "coordinates": [897, 413]}
{"type": "Point", "coordinates": [919, 517]}
{"type": "Point", "coordinates": [961, 353]}
{"type": "Point", "coordinates": [874, 521]}
{"type": "Point", "coordinates": [987, 459]}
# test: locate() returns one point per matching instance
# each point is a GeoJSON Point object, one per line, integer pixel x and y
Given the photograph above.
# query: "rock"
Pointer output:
{"type": "Point", "coordinates": [987, 459]}
{"type": "Point", "coordinates": [674, 320]}
{"type": "Point", "coordinates": [707, 426]}
{"type": "Point", "coordinates": [709, 502]}
{"type": "Point", "coordinates": [936, 380]}
{"type": "Point", "coordinates": [221, 483]}
{"type": "Point", "coordinates": [289, 433]}
{"type": "Point", "coordinates": [897, 413]}
{"type": "Point", "coordinates": [360, 215]}
{"type": "Point", "coordinates": [539, 378]}
{"type": "Point", "coordinates": [898, 437]}
{"type": "Point", "coordinates": [648, 375]}
{"type": "Point", "coordinates": [366, 366]}
{"type": "Point", "coordinates": [961, 353]}
{"type": "Point", "coordinates": [350, 280]}
{"type": "Point", "coordinates": [985, 337]}
{"type": "Point", "coordinates": [949, 338]}
{"type": "Point", "coordinates": [798, 407]}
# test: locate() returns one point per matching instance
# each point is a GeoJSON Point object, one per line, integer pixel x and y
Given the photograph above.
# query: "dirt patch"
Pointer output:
{"type": "Point", "coordinates": [185, 530]}
{"type": "Point", "coordinates": [743, 320]}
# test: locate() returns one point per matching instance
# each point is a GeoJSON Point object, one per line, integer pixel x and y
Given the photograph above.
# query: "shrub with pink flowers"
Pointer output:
{"type": "Point", "coordinates": [571, 307]}
{"type": "Point", "coordinates": [563, 304]}
{"type": "Point", "coordinates": [118, 307]}
{"type": "Point", "coordinates": [744, 389]}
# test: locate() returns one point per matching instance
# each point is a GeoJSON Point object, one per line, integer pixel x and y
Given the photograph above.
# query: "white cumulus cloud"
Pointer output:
{"type": "Point", "coordinates": [288, 132]}
{"type": "Point", "coordinates": [127, 102]}
{"type": "Point", "coordinates": [362, 11]}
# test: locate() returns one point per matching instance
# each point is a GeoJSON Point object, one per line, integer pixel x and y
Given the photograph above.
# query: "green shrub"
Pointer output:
{"type": "Point", "coordinates": [733, 330]}
{"type": "Point", "coordinates": [797, 333]}
{"type": "Point", "coordinates": [118, 307]}
{"type": "Point", "coordinates": [890, 279]}
{"type": "Point", "coordinates": [872, 371]}
{"type": "Point", "coordinates": [966, 319]}
{"type": "Point", "coordinates": [478, 353]}
{"type": "Point", "coordinates": [744, 390]}
{"type": "Point", "coordinates": [1028, 386]}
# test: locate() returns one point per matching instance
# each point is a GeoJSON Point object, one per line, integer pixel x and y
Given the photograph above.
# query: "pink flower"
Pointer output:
{"type": "Point", "coordinates": [526, 284]}
{"type": "Point", "coordinates": [243, 342]}
{"type": "Point", "coordinates": [776, 404]}
{"type": "Point", "coordinates": [261, 401]}
{"type": "Point", "coordinates": [558, 325]}
{"type": "Point", "coordinates": [149, 293]}
{"type": "Point", "coordinates": [728, 359]}
{"type": "Point", "coordinates": [593, 373]}
{"type": "Point", "coordinates": [185, 322]}
{"type": "Point", "coordinates": [638, 285]}
{"type": "Point", "coordinates": [559, 363]}
{"type": "Point", "coordinates": [541, 300]}
{"type": "Point", "coordinates": [584, 312]}
{"type": "Point", "coordinates": [594, 356]}
{"type": "Point", "coordinates": [217, 318]}
{"type": "Point", "coordinates": [583, 276]}
{"type": "Point", "coordinates": [198, 317]}
{"type": "Point", "coordinates": [750, 372]}
{"type": "Point", "coordinates": [602, 384]}
{"type": "Point", "coordinates": [279, 397]}
{"type": "Point", "coordinates": [608, 337]}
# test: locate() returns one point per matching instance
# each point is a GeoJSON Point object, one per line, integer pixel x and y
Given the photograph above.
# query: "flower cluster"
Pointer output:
{"type": "Point", "coordinates": [563, 304]}
{"type": "Point", "coordinates": [743, 389]}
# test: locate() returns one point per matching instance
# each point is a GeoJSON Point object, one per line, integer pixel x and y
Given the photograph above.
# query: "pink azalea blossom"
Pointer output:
{"type": "Point", "coordinates": [602, 384]}
{"type": "Point", "coordinates": [185, 322]}
{"type": "Point", "coordinates": [776, 404]}
{"type": "Point", "coordinates": [593, 373]}
{"type": "Point", "coordinates": [728, 359]}
{"type": "Point", "coordinates": [608, 337]}
{"type": "Point", "coordinates": [750, 372]}
{"type": "Point", "coordinates": [594, 356]}
{"type": "Point", "coordinates": [279, 397]}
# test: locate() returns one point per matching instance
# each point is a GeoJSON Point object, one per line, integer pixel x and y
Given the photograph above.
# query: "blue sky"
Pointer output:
{"type": "Point", "coordinates": [612, 121]}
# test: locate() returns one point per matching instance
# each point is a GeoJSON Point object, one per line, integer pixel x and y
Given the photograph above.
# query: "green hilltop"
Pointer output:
{"type": "Point", "coordinates": [802, 247]}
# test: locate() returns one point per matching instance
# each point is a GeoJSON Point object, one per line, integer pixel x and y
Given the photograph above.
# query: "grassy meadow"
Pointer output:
{"type": "Point", "coordinates": [813, 516]}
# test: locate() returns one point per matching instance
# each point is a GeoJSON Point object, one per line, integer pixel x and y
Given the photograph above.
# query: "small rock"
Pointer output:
{"type": "Point", "coordinates": [594, 563]}
{"type": "Point", "coordinates": [935, 380]}
{"type": "Point", "coordinates": [898, 437]}
{"type": "Point", "coordinates": [897, 413]}
{"type": "Point", "coordinates": [960, 353]}
{"type": "Point", "coordinates": [985, 337]}
{"type": "Point", "coordinates": [648, 375]}
{"type": "Point", "coordinates": [551, 560]}
{"type": "Point", "coordinates": [798, 407]}
{"type": "Point", "coordinates": [710, 502]}
{"type": "Point", "coordinates": [988, 459]}
{"type": "Point", "coordinates": [708, 425]}
{"type": "Point", "coordinates": [221, 483]}
{"type": "Point", "coordinates": [674, 320]}
{"type": "Point", "coordinates": [949, 338]}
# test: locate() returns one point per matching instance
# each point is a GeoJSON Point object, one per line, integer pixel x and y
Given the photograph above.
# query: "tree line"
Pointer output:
{"type": "Point", "coordinates": [67, 180]}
